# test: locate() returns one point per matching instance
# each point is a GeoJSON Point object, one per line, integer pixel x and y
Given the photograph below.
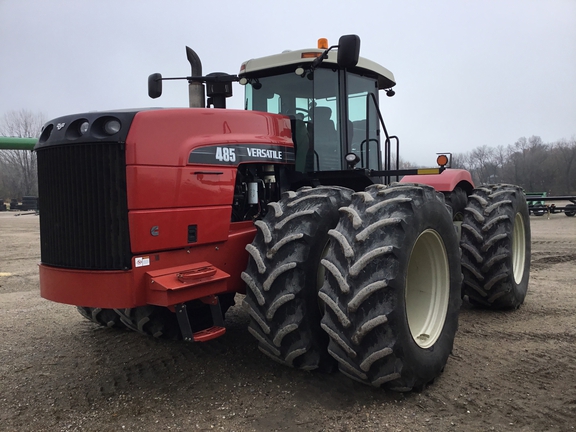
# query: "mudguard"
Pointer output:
{"type": "Point", "coordinates": [445, 181]}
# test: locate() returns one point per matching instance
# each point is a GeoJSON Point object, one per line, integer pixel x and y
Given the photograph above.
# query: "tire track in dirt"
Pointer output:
{"type": "Point", "coordinates": [550, 365]}
{"type": "Point", "coordinates": [141, 362]}
{"type": "Point", "coordinates": [533, 386]}
{"type": "Point", "coordinates": [548, 261]}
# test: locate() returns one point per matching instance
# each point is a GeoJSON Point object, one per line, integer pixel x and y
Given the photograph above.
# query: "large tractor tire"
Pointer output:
{"type": "Point", "coordinates": [284, 274]}
{"type": "Point", "coordinates": [495, 246]}
{"type": "Point", "coordinates": [392, 286]}
{"type": "Point", "coordinates": [103, 317]}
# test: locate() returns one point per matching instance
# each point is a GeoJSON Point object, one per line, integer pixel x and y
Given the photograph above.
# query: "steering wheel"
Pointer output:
{"type": "Point", "coordinates": [307, 116]}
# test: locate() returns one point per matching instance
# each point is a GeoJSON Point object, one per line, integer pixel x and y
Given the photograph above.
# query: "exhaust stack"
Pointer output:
{"type": "Point", "coordinates": [195, 88]}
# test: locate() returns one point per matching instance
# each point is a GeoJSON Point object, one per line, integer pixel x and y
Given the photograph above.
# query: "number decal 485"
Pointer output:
{"type": "Point", "coordinates": [225, 154]}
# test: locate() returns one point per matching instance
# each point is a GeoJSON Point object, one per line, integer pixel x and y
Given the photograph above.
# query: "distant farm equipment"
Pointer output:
{"type": "Point", "coordinates": [538, 207]}
{"type": "Point", "coordinates": [12, 143]}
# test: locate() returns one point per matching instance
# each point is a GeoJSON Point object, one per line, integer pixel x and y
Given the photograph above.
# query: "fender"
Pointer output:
{"type": "Point", "coordinates": [445, 181]}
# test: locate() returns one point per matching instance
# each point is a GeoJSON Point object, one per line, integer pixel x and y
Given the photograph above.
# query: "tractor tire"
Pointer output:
{"type": "Point", "coordinates": [457, 200]}
{"type": "Point", "coordinates": [155, 321]}
{"type": "Point", "coordinates": [161, 322]}
{"type": "Point", "coordinates": [391, 293]}
{"type": "Point", "coordinates": [284, 274]}
{"type": "Point", "coordinates": [103, 317]}
{"type": "Point", "coordinates": [495, 246]}
{"type": "Point", "coordinates": [572, 212]}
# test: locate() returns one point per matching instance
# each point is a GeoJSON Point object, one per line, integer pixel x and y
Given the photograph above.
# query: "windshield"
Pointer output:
{"type": "Point", "coordinates": [313, 107]}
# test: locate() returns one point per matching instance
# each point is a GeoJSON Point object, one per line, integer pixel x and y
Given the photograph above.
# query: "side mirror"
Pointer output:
{"type": "Point", "coordinates": [348, 51]}
{"type": "Point", "coordinates": [155, 85]}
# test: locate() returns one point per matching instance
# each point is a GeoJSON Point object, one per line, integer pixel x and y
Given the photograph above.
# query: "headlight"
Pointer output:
{"type": "Point", "coordinates": [112, 127]}
{"type": "Point", "coordinates": [77, 128]}
{"type": "Point", "coordinates": [84, 127]}
{"type": "Point", "coordinates": [352, 159]}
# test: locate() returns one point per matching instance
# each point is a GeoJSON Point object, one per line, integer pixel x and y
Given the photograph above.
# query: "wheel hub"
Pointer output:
{"type": "Point", "coordinates": [427, 288]}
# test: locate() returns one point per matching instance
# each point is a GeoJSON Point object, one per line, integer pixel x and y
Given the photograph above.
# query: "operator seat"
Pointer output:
{"type": "Point", "coordinates": [326, 143]}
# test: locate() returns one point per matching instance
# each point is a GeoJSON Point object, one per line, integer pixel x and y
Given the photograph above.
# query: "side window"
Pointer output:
{"type": "Point", "coordinates": [274, 105]}
{"type": "Point", "coordinates": [363, 125]}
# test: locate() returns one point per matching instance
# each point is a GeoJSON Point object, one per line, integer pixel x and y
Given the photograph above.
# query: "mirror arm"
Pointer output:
{"type": "Point", "coordinates": [318, 60]}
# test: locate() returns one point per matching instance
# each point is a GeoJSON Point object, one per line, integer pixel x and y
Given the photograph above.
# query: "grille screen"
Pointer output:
{"type": "Point", "coordinates": [84, 216]}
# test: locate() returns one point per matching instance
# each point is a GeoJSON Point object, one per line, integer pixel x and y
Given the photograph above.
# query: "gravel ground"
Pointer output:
{"type": "Point", "coordinates": [509, 371]}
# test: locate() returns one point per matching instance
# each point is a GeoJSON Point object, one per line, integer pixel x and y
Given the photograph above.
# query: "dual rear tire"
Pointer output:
{"type": "Point", "coordinates": [495, 246]}
{"type": "Point", "coordinates": [376, 283]}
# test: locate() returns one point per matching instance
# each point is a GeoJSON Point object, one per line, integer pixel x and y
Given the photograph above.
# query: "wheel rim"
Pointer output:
{"type": "Point", "coordinates": [518, 248]}
{"type": "Point", "coordinates": [427, 289]}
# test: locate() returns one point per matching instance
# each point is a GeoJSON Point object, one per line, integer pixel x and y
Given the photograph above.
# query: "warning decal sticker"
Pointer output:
{"type": "Point", "coordinates": [142, 261]}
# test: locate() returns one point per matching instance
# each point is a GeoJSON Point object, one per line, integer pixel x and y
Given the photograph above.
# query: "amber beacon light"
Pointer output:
{"type": "Point", "coordinates": [442, 160]}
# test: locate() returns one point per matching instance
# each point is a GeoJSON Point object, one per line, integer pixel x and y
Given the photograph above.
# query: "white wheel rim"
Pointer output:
{"type": "Point", "coordinates": [518, 248]}
{"type": "Point", "coordinates": [427, 289]}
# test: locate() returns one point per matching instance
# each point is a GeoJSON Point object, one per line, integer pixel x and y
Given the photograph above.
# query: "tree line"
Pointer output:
{"type": "Point", "coordinates": [529, 162]}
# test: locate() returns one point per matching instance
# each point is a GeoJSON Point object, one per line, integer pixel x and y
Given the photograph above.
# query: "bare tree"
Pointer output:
{"type": "Point", "coordinates": [18, 175]}
{"type": "Point", "coordinates": [402, 163]}
{"type": "Point", "coordinates": [529, 162]}
{"type": "Point", "coordinates": [459, 161]}
{"type": "Point", "coordinates": [21, 124]}
{"type": "Point", "coordinates": [481, 161]}
{"type": "Point", "coordinates": [566, 150]}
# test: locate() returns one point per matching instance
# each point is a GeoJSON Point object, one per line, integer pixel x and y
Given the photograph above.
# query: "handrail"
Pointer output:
{"type": "Point", "coordinates": [387, 141]}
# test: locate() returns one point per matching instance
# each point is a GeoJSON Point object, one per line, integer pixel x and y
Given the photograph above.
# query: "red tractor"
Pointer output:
{"type": "Point", "coordinates": [155, 218]}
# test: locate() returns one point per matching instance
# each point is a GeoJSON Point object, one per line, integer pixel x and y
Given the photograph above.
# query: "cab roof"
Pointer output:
{"type": "Point", "coordinates": [301, 57]}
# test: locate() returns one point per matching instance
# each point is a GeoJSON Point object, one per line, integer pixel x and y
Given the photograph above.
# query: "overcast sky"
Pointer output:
{"type": "Point", "coordinates": [469, 72]}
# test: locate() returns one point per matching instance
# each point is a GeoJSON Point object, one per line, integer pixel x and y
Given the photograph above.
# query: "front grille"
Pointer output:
{"type": "Point", "coordinates": [84, 216]}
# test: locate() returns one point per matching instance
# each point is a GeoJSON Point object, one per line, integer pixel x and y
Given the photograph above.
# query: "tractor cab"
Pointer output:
{"type": "Point", "coordinates": [331, 99]}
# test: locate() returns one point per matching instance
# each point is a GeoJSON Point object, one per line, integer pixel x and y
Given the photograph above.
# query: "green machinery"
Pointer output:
{"type": "Point", "coordinates": [10, 143]}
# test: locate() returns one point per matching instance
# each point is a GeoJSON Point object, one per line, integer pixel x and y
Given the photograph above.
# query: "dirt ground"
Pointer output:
{"type": "Point", "coordinates": [509, 371]}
